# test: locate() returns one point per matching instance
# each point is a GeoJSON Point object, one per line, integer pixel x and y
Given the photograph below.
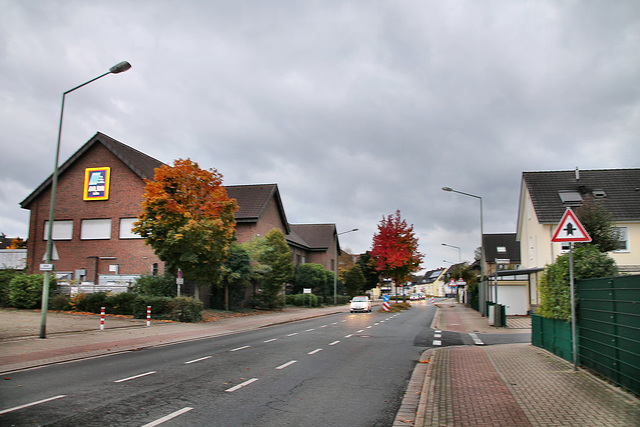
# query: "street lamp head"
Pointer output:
{"type": "Point", "coordinates": [120, 67]}
{"type": "Point", "coordinates": [447, 188]}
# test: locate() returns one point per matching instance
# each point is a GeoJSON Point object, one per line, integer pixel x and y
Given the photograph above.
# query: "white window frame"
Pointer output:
{"type": "Point", "coordinates": [623, 237]}
{"type": "Point", "coordinates": [126, 224]}
{"type": "Point", "coordinates": [95, 229]}
{"type": "Point", "coordinates": [62, 230]}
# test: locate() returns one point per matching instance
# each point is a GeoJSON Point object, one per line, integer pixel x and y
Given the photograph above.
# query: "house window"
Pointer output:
{"type": "Point", "coordinates": [501, 250]}
{"type": "Point", "coordinates": [623, 239]}
{"type": "Point", "coordinates": [126, 232]}
{"type": "Point", "coordinates": [95, 229]}
{"type": "Point", "coordinates": [154, 269]}
{"type": "Point", "coordinates": [62, 230]}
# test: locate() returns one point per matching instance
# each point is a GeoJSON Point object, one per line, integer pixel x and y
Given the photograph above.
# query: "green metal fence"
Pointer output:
{"type": "Point", "coordinates": [552, 335]}
{"type": "Point", "coordinates": [608, 321]}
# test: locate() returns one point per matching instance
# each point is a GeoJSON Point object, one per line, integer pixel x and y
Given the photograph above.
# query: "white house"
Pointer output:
{"type": "Point", "coordinates": [544, 198]}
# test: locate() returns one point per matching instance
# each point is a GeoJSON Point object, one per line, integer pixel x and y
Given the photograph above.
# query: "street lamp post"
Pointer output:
{"type": "Point", "coordinates": [335, 267]}
{"type": "Point", "coordinates": [482, 309]}
{"type": "Point", "coordinates": [118, 68]}
{"type": "Point", "coordinates": [459, 251]}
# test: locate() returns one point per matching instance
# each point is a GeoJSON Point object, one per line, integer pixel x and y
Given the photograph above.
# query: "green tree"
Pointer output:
{"type": "Point", "coordinates": [554, 286]}
{"type": "Point", "coordinates": [354, 281]}
{"type": "Point", "coordinates": [599, 224]}
{"type": "Point", "coordinates": [271, 267]}
{"type": "Point", "coordinates": [312, 276]}
{"type": "Point", "coordinates": [368, 269]}
{"type": "Point", "coordinates": [235, 275]}
{"type": "Point", "coordinates": [187, 218]}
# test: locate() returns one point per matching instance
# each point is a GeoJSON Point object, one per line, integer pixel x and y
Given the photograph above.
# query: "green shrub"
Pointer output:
{"type": "Point", "coordinates": [92, 303]}
{"type": "Point", "coordinates": [554, 286]}
{"type": "Point", "coordinates": [61, 302]}
{"type": "Point", "coordinates": [25, 291]}
{"type": "Point", "coordinates": [303, 300]}
{"type": "Point", "coordinates": [185, 309]}
{"type": "Point", "coordinates": [158, 286]}
{"type": "Point", "coordinates": [5, 279]}
{"type": "Point", "coordinates": [160, 307]}
{"type": "Point", "coordinates": [122, 303]}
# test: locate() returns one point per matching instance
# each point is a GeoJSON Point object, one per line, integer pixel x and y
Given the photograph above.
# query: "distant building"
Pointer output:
{"type": "Point", "coordinates": [99, 196]}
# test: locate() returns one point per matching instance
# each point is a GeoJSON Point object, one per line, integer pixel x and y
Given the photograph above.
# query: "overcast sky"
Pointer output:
{"type": "Point", "coordinates": [355, 109]}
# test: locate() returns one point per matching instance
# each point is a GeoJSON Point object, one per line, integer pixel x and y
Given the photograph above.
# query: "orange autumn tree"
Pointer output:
{"type": "Point", "coordinates": [187, 218]}
{"type": "Point", "coordinates": [395, 249]}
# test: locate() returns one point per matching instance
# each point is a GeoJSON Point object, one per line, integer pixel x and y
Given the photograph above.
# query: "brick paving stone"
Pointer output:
{"type": "Point", "coordinates": [551, 393]}
{"type": "Point", "coordinates": [479, 394]}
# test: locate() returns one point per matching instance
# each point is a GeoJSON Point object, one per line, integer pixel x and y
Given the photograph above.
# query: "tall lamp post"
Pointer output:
{"type": "Point", "coordinates": [481, 234]}
{"type": "Point", "coordinates": [118, 68]}
{"type": "Point", "coordinates": [335, 267]}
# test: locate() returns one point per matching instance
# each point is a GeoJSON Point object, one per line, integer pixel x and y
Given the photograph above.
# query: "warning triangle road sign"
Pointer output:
{"type": "Point", "coordinates": [570, 229]}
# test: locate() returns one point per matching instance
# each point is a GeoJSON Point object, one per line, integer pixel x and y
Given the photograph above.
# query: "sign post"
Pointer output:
{"type": "Point", "coordinates": [570, 230]}
{"type": "Point", "coordinates": [385, 302]}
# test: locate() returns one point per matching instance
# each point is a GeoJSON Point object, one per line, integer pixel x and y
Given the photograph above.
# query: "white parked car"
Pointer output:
{"type": "Point", "coordinates": [361, 304]}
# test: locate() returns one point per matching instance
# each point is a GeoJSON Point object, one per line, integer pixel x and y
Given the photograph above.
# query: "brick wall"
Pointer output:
{"type": "Point", "coordinates": [131, 255]}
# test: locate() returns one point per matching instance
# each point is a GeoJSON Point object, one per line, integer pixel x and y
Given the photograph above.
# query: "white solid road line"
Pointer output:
{"type": "Point", "coordinates": [168, 417]}
{"type": "Point", "coordinates": [287, 364]}
{"type": "Point", "coordinates": [239, 386]}
{"type": "Point", "coordinates": [15, 408]}
{"type": "Point", "coordinates": [198, 360]}
{"type": "Point", "coordinates": [135, 376]}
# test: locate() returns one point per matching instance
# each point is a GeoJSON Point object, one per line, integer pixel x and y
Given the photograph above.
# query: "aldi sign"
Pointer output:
{"type": "Point", "coordinates": [96, 183]}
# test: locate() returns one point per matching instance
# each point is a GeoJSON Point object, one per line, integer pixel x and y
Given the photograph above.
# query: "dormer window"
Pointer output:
{"type": "Point", "coordinates": [599, 194]}
{"type": "Point", "coordinates": [501, 250]}
{"type": "Point", "coordinates": [570, 197]}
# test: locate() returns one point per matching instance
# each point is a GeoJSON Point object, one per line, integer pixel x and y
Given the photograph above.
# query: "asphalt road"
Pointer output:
{"type": "Point", "coordinates": [345, 369]}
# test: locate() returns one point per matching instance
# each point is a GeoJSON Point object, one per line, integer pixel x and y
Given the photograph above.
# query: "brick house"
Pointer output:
{"type": "Point", "coordinates": [93, 242]}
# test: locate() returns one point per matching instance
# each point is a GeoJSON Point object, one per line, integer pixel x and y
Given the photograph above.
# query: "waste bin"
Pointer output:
{"type": "Point", "coordinates": [499, 315]}
{"type": "Point", "coordinates": [491, 313]}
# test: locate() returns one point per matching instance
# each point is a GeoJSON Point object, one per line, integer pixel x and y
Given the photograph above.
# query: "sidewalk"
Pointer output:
{"type": "Point", "coordinates": [77, 336]}
{"type": "Point", "coordinates": [506, 385]}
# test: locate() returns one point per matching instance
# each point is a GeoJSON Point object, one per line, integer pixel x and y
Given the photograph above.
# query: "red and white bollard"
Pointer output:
{"type": "Point", "coordinates": [433, 300]}
{"type": "Point", "coordinates": [148, 315]}
{"type": "Point", "coordinates": [102, 318]}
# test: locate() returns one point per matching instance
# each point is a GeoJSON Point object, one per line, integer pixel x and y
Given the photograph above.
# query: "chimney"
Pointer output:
{"type": "Point", "coordinates": [577, 174]}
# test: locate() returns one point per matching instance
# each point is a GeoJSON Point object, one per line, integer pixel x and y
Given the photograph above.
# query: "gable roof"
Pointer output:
{"type": "Point", "coordinates": [318, 237]}
{"type": "Point", "coordinates": [491, 242]}
{"type": "Point", "coordinates": [253, 200]}
{"type": "Point", "coordinates": [617, 189]}
{"type": "Point", "coordinates": [140, 163]}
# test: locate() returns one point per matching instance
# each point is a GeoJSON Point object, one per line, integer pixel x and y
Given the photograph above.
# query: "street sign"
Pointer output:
{"type": "Point", "coordinates": [46, 267]}
{"type": "Point", "coordinates": [570, 229]}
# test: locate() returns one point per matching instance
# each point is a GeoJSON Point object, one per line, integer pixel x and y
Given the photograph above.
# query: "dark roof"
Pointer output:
{"type": "Point", "coordinates": [317, 236]}
{"type": "Point", "coordinates": [491, 242]}
{"type": "Point", "coordinates": [620, 187]}
{"type": "Point", "coordinates": [5, 242]}
{"type": "Point", "coordinates": [140, 163]}
{"type": "Point", "coordinates": [253, 199]}
{"type": "Point", "coordinates": [432, 275]}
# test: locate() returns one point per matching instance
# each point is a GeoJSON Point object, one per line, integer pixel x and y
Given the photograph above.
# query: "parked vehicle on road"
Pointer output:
{"type": "Point", "coordinates": [361, 304]}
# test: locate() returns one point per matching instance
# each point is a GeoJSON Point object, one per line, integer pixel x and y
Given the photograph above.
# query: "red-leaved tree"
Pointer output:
{"type": "Point", "coordinates": [395, 249]}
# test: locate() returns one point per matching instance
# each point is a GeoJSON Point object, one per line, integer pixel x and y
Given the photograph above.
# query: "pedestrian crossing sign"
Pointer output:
{"type": "Point", "coordinates": [570, 229]}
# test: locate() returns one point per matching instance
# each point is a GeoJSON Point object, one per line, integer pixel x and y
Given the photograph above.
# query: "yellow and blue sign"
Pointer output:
{"type": "Point", "coordinates": [96, 183]}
